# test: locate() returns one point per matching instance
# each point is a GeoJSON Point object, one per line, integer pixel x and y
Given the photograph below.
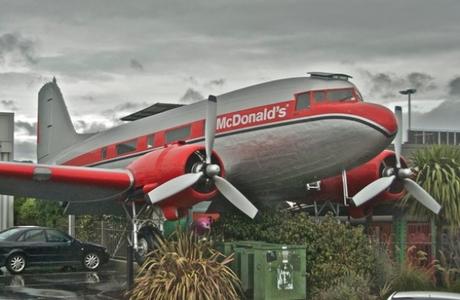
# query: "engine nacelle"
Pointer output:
{"type": "Point", "coordinates": [332, 189]}
{"type": "Point", "coordinates": [159, 166]}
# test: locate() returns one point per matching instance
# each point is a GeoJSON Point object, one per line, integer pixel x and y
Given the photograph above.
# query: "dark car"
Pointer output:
{"type": "Point", "coordinates": [25, 246]}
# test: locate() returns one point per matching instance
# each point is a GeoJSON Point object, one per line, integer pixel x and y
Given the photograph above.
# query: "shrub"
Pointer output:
{"type": "Point", "coordinates": [186, 268]}
{"type": "Point", "coordinates": [332, 248]}
{"type": "Point", "coordinates": [351, 286]}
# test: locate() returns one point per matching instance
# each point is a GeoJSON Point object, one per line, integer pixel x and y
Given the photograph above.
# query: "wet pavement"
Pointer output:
{"type": "Point", "coordinates": [57, 284]}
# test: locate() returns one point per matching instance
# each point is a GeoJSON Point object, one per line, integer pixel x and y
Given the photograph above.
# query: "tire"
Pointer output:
{"type": "Point", "coordinates": [148, 240]}
{"type": "Point", "coordinates": [16, 263]}
{"type": "Point", "coordinates": [91, 261]}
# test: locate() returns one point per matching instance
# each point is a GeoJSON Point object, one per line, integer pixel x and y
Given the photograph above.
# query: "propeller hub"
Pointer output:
{"type": "Point", "coordinates": [387, 172]}
{"type": "Point", "coordinates": [405, 173]}
{"type": "Point", "coordinates": [212, 170]}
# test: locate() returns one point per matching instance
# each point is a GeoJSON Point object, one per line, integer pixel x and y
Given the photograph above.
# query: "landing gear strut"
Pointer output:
{"type": "Point", "coordinates": [142, 238]}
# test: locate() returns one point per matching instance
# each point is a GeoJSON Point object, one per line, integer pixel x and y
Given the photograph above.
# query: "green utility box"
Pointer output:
{"type": "Point", "coordinates": [271, 271]}
{"type": "Point", "coordinates": [171, 226]}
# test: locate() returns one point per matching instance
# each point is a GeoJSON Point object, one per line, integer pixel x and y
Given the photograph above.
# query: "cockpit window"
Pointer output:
{"type": "Point", "coordinates": [340, 95]}
{"type": "Point", "coordinates": [320, 96]}
{"type": "Point", "coordinates": [303, 101]}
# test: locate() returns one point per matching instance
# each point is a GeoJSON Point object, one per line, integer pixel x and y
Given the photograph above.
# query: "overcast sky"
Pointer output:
{"type": "Point", "coordinates": [114, 57]}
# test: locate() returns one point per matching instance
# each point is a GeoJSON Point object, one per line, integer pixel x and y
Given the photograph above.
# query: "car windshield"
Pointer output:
{"type": "Point", "coordinates": [5, 234]}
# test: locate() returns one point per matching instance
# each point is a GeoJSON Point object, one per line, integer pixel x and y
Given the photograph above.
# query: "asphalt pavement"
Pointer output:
{"type": "Point", "coordinates": [58, 283]}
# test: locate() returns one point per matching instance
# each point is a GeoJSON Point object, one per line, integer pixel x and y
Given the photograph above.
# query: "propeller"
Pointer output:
{"type": "Point", "coordinates": [206, 170]}
{"type": "Point", "coordinates": [391, 175]}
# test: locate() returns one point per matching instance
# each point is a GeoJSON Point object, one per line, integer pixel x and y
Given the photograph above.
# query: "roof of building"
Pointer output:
{"type": "Point", "coordinates": [154, 109]}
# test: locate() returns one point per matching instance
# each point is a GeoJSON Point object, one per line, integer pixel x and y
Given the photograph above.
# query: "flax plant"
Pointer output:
{"type": "Point", "coordinates": [438, 172]}
{"type": "Point", "coordinates": [186, 268]}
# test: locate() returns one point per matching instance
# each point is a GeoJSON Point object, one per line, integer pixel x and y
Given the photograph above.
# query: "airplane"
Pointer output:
{"type": "Point", "coordinates": [268, 140]}
{"type": "Point", "coordinates": [385, 178]}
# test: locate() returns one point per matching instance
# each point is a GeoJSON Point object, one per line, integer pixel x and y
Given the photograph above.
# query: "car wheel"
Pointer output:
{"type": "Point", "coordinates": [91, 261]}
{"type": "Point", "coordinates": [16, 263]}
{"type": "Point", "coordinates": [147, 240]}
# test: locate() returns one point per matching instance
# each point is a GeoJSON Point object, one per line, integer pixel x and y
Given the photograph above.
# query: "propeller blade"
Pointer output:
{"type": "Point", "coordinates": [173, 186]}
{"type": "Point", "coordinates": [421, 195]}
{"type": "Point", "coordinates": [235, 197]}
{"type": "Point", "coordinates": [398, 139]}
{"type": "Point", "coordinates": [210, 126]}
{"type": "Point", "coordinates": [372, 190]}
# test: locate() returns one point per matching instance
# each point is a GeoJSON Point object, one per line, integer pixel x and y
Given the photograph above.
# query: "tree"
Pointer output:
{"type": "Point", "coordinates": [30, 211]}
{"type": "Point", "coordinates": [438, 172]}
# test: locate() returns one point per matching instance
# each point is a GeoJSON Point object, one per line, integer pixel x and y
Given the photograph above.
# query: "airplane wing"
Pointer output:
{"type": "Point", "coordinates": [63, 183]}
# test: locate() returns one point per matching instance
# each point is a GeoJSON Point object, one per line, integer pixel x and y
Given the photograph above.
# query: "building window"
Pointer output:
{"type": "Point", "coordinates": [150, 140]}
{"type": "Point", "coordinates": [431, 137]}
{"type": "Point", "coordinates": [177, 134]}
{"type": "Point", "coordinates": [126, 147]}
{"type": "Point", "coordinates": [303, 101]}
{"type": "Point", "coordinates": [443, 138]}
{"type": "Point", "coordinates": [104, 153]}
{"type": "Point", "coordinates": [451, 138]}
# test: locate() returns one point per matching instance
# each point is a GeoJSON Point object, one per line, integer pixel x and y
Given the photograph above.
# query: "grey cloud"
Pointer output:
{"type": "Point", "coordinates": [388, 85]}
{"type": "Point", "coordinates": [88, 98]}
{"type": "Point", "coordinates": [90, 127]}
{"type": "Point", "coordinates": [191, 95]}
{"type": "Point", "coordinates": [445, 116]}
{"type": "Point", "coordinates": [454, 87]}
{"type": "Point", "coordinates": [29, 128]}
{"type": "Point", "coordinates": [136, 65]}
{"type": "Point", "coordinates": [9, 104]}
{"type": "Point", "coordinates": [120, 110]}
{"type": "Point", "coordinates": [217, 82]}
{"type": "Point", "coordinates": [15, 44]}
{"type": "Point", "coordinates": [25, 150]}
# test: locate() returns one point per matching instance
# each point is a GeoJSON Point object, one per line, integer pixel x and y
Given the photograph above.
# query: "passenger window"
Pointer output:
{"type": "Point", "coordinates": [320, 96]}
{"type": "Point", "coordinates": [150, 140]}
{"type": "Point", "coordinates": [177, 134]}
{"type": "Point", "coordinates": [36, 235]}
{"type": "Point", "coordinates": [303, 101]}
{"type": "Point", "coordinates": [104, 153]}
{"type": "Point", "coordinates": [126, 147]}
{"type": "Point", "coordinates": [55, 236]}
{"type": "Point", "coordinates": [340, 95]}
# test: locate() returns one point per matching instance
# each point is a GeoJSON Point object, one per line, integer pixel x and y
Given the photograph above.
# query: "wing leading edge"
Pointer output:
{"type": "Point", "coordinates": [64, 183]}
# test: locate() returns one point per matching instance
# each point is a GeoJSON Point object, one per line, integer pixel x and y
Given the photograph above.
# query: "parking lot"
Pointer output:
{"type": "Point", "coordinates": [63, 284]}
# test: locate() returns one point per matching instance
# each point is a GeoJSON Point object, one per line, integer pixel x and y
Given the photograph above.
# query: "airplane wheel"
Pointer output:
{"type": "Point", "coordinates": [16, 263]}
{"type": "Point", "coordinates": [148, 240]}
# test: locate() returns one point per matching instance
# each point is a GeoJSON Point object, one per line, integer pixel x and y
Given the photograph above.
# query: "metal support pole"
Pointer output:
{"type": "Point", "coordinates": [71, 225]}
{"type": "Point", "coordinates": [409, 111]}
{"type": "Point", "coordinates": [129, 263]}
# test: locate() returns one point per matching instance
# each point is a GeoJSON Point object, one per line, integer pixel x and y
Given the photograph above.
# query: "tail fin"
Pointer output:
{"type": "Point", "coordinates": [55, 130]}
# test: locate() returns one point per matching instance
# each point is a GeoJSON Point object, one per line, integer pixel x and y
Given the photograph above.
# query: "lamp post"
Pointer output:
{"type": "Point", "coordinates": [408, 92]}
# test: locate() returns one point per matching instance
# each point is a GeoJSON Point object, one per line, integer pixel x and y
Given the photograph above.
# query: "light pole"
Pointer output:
{"type": "Point", "coordinates": [408, 92]}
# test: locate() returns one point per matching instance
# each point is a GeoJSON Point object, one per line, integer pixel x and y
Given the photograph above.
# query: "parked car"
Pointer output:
{"type": "Point", "coordinates": [24, 246]}
{"type": "Point", "coordinates": [424, 295]}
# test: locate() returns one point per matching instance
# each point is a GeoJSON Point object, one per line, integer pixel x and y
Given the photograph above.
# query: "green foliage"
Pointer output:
{"type": "Point", "coordinates": [29, 211]}
{"type": "Point", "coordinates": [186, 268]}
{"type": "Point", "coordinates": [351, 286]}
{"type": "Point", "coordinates": [333, 248]}
{"type": "Point", "coordinates": [438, 172]}
{"type": "Point", "coordinates": [416, 274]}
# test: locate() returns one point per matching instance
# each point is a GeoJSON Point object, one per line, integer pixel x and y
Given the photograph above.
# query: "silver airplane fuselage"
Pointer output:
{"type": "Point", "coordinates": [270, 144]}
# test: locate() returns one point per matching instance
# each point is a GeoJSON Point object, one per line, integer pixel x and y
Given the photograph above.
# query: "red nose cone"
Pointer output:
{"type": "Point", "coordinates": [381, 116]}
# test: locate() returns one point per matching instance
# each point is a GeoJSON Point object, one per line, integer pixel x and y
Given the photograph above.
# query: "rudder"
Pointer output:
{"type": "Point", "coordinates": [55, 130]}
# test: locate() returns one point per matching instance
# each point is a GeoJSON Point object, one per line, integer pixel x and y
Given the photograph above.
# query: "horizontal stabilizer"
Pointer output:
{"type": "Point", "coordinates": [63, 183]}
